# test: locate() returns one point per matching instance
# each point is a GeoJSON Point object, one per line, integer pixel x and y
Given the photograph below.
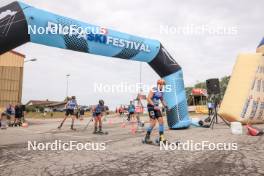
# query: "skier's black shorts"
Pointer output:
{"type": "Point", "coordinates": [69, 112]}
{"type": "Point", "coordinates": [153, 113]}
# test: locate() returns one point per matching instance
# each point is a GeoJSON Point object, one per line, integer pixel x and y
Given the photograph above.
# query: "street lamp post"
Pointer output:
{"type": "Point", "coordinates": [25, 61]}
{"type": "Point", "coordinates": [67, 86]}
{"type": "Point", "coordinates": [140, 76]}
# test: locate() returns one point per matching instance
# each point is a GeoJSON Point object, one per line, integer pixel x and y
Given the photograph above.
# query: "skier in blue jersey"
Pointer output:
{"type": "Point", "coordinates": [70, 107]}
{"type": "Point", "coordinates": [155, 97]}
{"type": "Point", "coordinates": [97, 115]}
{"type": "Point", "coordinates": [131, 111]}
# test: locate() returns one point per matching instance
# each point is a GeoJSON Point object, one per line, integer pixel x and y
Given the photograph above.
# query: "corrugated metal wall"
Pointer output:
{"type": "Point", "coordinates": [11, 78]}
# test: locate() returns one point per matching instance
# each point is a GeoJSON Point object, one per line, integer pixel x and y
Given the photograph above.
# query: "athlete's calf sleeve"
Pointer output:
{"type": "Point", "coordinates": [161, 129]}
{"type": "Point", "coordinates": [149, 129]}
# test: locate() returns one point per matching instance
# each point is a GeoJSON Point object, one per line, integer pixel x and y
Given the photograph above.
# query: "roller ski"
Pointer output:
{"type": "Point", "coordinates": [72, 128]}
{"type": "Point", "coordinates": [159, 141]}
{"type": "Point", "coordinates": [156, 142]}
{"type": "Point", "coordinates": [147, 140]}
{"type": "Point", "coordinates": [100, 132]}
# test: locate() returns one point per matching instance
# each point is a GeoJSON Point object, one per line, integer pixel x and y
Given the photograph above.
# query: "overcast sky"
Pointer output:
{"type": "Point", "coordinates": [202, 55]}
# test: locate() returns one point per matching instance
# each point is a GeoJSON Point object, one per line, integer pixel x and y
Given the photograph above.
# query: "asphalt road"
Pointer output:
{"type": "Point", "coordinates": [124, 152]}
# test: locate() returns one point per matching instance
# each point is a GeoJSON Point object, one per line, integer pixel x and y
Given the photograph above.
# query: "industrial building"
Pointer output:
{"type": "Point", "coordinates": [11, 78]}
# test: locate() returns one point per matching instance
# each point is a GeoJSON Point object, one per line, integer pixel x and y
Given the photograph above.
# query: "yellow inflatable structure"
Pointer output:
{"type": "Point", "coordinates": [244, 97]}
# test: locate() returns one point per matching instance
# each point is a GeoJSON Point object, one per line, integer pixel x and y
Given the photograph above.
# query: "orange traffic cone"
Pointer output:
{"type": "Point", "coordinates": [253, 131]}
{"type": "Point", "coordinates": [133, 129]}
{"type": "Point", "coordinates": [123, 125]}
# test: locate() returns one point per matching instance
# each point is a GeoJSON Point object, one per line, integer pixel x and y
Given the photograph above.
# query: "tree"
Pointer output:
{"type": "Point", "coordinates": [201, 85]}
{"type": "Point", "coordinates": [223, 82]}
{"type": "Point", "coordinates": [223, 85]}
{"type": "Point", "coordinates": [188, 91]}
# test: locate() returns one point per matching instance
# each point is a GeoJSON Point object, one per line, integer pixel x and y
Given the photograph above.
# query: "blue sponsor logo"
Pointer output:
{"type": "Point", "coordinates": [97, 38]}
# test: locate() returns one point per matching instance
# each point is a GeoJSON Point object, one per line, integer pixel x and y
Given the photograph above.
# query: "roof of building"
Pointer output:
{"type": "Point", "coordinates": [12, 59]}
{"type": "Point", "coordinates": [57, 104]}
{"type": "Point", "coordinates": [41, 102]}
{"type": "Point", "coordinates": [17, 53]}
{"type": "Point", "coordinates": [199, 92]}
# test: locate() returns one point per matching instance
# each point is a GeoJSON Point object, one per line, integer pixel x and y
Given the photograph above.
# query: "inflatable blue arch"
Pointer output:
{"type": "Point", "coordinates": [21, 23]}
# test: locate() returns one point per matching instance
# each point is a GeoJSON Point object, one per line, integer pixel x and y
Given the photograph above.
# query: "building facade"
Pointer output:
{"type": "Point", "coordinates": [11, 78]}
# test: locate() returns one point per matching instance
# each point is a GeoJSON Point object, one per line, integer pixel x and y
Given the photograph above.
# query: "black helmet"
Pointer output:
{"type": "Point", "coordinates": [101, 102]}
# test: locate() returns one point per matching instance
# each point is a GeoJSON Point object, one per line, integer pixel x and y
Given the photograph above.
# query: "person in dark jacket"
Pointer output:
{"type": "Point", "coordinates": [18, 115]}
